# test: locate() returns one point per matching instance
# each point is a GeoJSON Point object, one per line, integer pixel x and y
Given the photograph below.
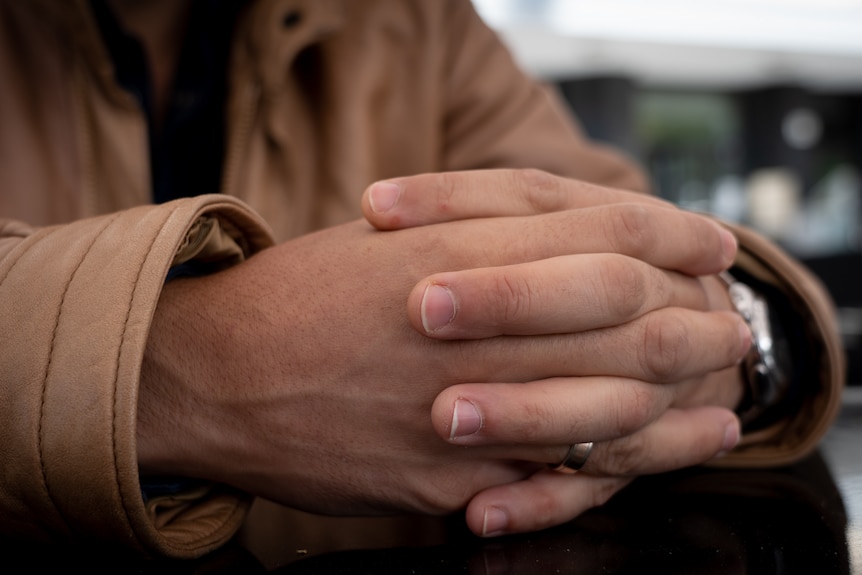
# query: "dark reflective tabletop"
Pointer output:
{"type": "Point", "coordinates": [842, 450]}
{"type": "Point", "coordinates": [805, 518]}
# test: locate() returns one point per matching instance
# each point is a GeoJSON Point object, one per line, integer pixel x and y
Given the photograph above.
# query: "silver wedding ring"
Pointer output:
{"type": "Point", "coordinates": [575, 458]}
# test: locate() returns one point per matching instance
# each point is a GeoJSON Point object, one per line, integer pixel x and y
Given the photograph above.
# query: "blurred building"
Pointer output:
{"type": "Point", "coordinates": [748, 109]}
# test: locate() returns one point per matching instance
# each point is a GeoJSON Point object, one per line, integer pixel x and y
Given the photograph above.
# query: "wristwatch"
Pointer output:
{"type": "Point", "coordinates": [766, 366]}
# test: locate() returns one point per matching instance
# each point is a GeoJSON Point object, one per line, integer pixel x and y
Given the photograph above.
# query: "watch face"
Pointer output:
{"type": "Point", "coordinates": [743, 299]}
{"type": "Point", "coordinates": [767, 382]}
{"type": "Point", "coordinates": [762, 390]}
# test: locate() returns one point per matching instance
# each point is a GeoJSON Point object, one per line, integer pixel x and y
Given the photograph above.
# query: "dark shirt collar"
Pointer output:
{"type": "Point", "coordinates": [187, 152]}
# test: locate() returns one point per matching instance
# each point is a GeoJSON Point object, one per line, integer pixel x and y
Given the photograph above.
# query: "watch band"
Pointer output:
{"type": "Point", "coordinates": [765, 368]}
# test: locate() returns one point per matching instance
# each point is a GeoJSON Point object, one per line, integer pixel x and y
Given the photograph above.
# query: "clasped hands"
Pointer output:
{"type": "Point", "coordinates": [540, 312]}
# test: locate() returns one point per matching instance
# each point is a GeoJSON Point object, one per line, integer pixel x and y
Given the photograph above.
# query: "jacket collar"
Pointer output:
{"type": "Point", "coordinates": [270, 33]}
{"type": "Point", "coordinates": [275, 31]}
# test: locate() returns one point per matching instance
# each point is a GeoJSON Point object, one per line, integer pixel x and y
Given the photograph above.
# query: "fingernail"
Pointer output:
{"type": "Point", "coordinates": [383, 196]}
{"type": "Point", "coordinates": [728, 246]}
{"type": "Point", "coordinates": [731, 437]}
{"type": "Point", "coordinates": [438, 308]}
{"type": "Point", "coordinates": [495, 522]}
{"type": "Point", "coordinates": [466, 419]}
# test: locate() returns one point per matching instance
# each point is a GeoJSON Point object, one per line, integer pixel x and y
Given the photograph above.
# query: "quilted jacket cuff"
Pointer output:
{"type": "Point", "coordinates": [82, 297]}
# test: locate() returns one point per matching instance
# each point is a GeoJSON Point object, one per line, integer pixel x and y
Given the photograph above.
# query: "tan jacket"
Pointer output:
{"type": "Point", "coordinates": [320, 106]}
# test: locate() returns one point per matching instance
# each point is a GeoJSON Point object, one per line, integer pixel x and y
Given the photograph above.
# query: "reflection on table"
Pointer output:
{"type": "Point", "coordinates": [842, 449]}
{"type": "Point", "coordinates": [789, 520]}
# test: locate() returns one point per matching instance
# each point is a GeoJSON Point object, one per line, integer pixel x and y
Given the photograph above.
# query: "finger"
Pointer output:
{"type": "Point", "coordinates": [557, 295]}
{"type": "Point", "coordinates": [443, 197]}
{"type": "Point", "coordinates": [679, 438]}
{"type": "Point", "coordinates": [558, 411]}
{"type": "Point", "coordinates": [543, 500]}
{"type": "Point", "coordinates": [547, 498]}
{"type": "Point", "coordinates": [666, 238]}
{"type": "Point", "coordinates": [662, 346]}
{"type": "Point", "coordinates": [676, 439]}
{"type": "Point", "coordinates": [553, 411]}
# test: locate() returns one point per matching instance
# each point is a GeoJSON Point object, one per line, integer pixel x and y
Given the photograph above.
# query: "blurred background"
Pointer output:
{"type": "Point", "coordinates": [748, 109]}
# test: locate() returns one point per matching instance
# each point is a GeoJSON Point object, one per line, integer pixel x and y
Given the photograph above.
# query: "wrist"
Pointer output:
{"type": "Point", "coordinates": [155, 434]}
{"type": "Point", "coordinates": [169, 413]}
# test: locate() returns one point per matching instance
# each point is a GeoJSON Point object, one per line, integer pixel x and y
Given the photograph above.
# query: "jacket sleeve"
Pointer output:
{"type": "Point", "coordinates": [499, 117]}
{"type": "Point", "coordinates": [76, 302]}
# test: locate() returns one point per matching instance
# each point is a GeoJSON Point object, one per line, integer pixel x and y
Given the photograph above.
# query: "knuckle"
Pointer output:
{"type": "Point", "coordinates": [445, 189]}
{"type": "Point", "coordinates": [512, 297]}
{"type": "Point", "coordinates": [539, 423]}
{"type": "Point", "coordinates": [623, 286]}
{"type": "Point", "coordinates": [627, 456]}
{"type": "Point", "coordinates": [632, 229]}
{"type": "Point", "coordinates": [635, 407]}
{"type": "Point", "coordinates": [666, 346]}
{"type": "Point", "coordinates": [540, 190]}
{"type": "Point", "coordinates": [704, 236]}
{"type": "Point", "coordinates": [444, 496]}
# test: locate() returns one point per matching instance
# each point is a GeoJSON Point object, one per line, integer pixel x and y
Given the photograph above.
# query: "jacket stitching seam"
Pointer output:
{"type": "Point", "coordinates": [21, 255]}
{"type": "Point", "coordinates": [40, 450]}
{"type": "Point", "coordinates": [126, 509]}
{"type": "Point", "coordinates": [114, 414]}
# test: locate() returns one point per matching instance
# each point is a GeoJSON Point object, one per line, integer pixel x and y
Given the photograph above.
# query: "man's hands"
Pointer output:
{"type": "Point", "coordinates": [649, 296]}
{"type": "Point", "coordinates": [506, 301]}
{"type": "Point", "coordinates": [298, 376]}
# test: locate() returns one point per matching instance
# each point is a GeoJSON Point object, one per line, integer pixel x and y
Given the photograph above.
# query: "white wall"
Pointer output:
{"type": "Point", "coordinates": [721, 43]}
